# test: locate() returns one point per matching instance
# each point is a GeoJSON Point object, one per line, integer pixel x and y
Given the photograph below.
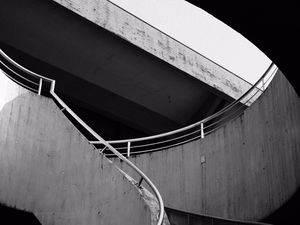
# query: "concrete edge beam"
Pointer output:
{"type": "Point", "coordinates": [118, 21]}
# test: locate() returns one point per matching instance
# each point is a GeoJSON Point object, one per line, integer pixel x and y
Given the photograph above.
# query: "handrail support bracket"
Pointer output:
{"type": "Point", "coordinates": [202, 130]}
{"type": "Point", "coordinates": [140, 182]}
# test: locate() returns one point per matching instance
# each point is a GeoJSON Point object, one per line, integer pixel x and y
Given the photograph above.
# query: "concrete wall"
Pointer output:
{"type": "Point", "coordinates": [182, 218]}
{"type": "Point", "coordinates": [47, 167]}
{"type": "Point", "coordinates": [9, 90]}
{"type": "Point", "coordinates": [252, 164]}
{"type": "Point", "coordinates": [111, 17]}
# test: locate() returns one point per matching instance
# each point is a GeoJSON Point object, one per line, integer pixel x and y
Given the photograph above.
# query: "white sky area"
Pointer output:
{"type": "Point", "coordinates": [203, 33]}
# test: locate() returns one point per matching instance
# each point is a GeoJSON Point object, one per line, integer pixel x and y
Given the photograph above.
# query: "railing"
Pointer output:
{"type": "Point", "coordinates": [38, 84]}
{"type": "Point", "coordinates": [194, 131]}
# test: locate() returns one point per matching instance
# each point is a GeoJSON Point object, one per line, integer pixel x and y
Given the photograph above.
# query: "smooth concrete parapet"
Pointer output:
{"type": "Point", "coordinates": [49, 168]}
{"type": "Point", "coordinates": [117, 20]}
{"type": "Point", "coordinates": [245, 170]}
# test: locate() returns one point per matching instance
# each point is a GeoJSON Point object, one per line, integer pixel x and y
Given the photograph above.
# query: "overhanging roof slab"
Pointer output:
{"type": "Point", "coordinates": [117, 20]}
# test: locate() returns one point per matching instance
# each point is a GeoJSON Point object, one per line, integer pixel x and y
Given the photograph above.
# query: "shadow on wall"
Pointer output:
{"type": "Point", "coordinates": [11, 216]}
{"type": "Point", "coordinates": [285, 215]}
{"type": "Point", "coordinates": [288, 214]}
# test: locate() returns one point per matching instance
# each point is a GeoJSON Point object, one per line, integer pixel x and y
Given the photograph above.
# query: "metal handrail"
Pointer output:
{"type": "Point", "coordinates": [28, 80]}
{"type": "Point", "coordinates": [90, 130]}
{"type": "Point", "coordinates": [161, 142]}
{"type": "Point", "coordinates": [228, 108]}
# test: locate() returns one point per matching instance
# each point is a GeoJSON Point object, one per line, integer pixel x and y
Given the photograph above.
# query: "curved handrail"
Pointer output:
{"type": "Point", "coordinates": [128, 143]}
{"type": "Point", "coordinates": [90, 130]}
{"type": "Point", "coordinates": [197, 123]}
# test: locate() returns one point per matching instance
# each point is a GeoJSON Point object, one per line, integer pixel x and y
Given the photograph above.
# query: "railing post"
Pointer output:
{"type": "Point", "coordinates": [52, 86]}
{"type": "Point", "coordinates": [128, 149]}
{"type": "Point", "coordinates": [140, 182]}
{"type": "Point", "coordinates": [102, 150]}
{"type": "Point", "coordinates": [202, 130]}
{"type": "Point", "coordinates": [40, 86]}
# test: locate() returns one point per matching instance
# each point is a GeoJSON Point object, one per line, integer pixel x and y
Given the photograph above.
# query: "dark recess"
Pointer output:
{"type": "Point", "coordinates": [12, 216]}
{"type": "Point", "coordinates": [272, 26]}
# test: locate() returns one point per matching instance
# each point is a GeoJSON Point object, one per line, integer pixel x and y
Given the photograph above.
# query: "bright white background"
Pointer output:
{"type": "Point", "coordinates": [202, 32]}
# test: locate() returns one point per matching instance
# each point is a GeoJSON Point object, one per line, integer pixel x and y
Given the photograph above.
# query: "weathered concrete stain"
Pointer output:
{"type": "Point", "coordinates": [134, 30]}
{"type": "Point", "coordinates": [150, 200]}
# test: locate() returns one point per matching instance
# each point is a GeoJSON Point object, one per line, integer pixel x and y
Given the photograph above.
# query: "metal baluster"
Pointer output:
{"type": "Point", "coordinates": [202, 130]}
{"type": "Point", "coordinates": [40, 86]}
{"type": "Point", "coordinates": [128, 148]}
{"type": "Point", "coordinates": [140, 182]}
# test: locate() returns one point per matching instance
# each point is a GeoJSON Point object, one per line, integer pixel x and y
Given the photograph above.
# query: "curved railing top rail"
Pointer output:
{"type": "Point", "coordinates": [90, 130]}
{"type": "Point", "coordinates": [23, 68]}
{"type": "Point", "coordinates": [207, 119]}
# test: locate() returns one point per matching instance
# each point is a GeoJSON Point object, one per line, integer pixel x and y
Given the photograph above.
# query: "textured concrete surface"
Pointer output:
{"type": "Point", "coordinates": [47, 167]}
{"type": "Point", "coordinates": [111, 17]}
{"type": "Point", "coordinates": [151, 202]}
{"type": "Point", "coordinates": [252, 164]}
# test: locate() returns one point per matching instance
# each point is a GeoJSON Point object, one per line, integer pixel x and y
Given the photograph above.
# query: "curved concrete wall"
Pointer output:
{"type": "Point", "coordinates": [252, 164]}
{"type": "Point", "coordinates": [47, 167]}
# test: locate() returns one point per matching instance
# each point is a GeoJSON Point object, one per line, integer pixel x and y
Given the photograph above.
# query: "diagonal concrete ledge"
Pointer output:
{"type": "Point", "coordinates": [127, 26]}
